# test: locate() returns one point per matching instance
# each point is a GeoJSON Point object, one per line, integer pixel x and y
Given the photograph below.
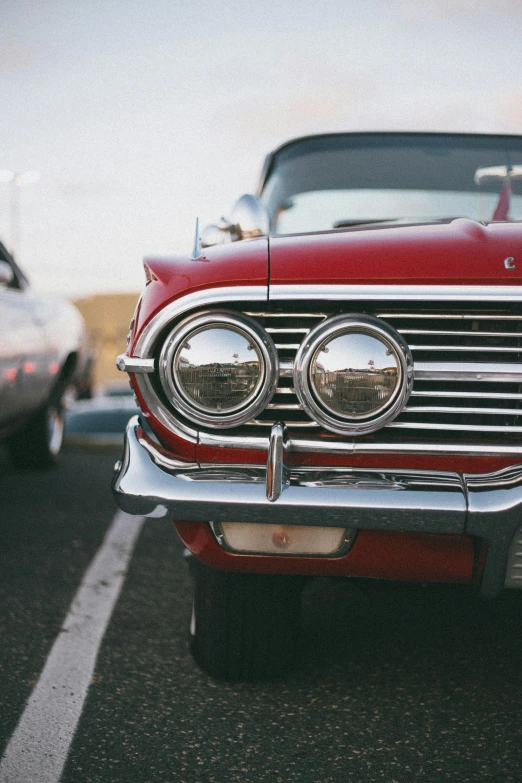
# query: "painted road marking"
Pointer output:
{"type": "Point", "coordinates": [39, 746]}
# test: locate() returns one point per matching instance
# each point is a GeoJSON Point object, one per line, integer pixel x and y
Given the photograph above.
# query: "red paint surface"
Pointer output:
{"type": "Point", "coordinates": [237, 264]}
{"type": "Point", "coordinates": [412, 557]}
{"type": "Point", "coordinates": [462, 252]}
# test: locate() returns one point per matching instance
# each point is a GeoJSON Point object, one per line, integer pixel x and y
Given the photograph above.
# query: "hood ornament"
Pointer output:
{"type": "Point", "coordinates": [197, 251]}
{"type": "Point", "coordinates": [509, 263]}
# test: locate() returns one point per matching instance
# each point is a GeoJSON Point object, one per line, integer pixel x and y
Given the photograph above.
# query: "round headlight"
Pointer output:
{"type": "Point", "coordinates": [219, 368]}
{"type": "Point", "coordinates": [353, 374]}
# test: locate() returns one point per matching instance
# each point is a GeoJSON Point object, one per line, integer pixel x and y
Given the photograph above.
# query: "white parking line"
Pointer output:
{"type": "Point", "coordinates": [39, 746]}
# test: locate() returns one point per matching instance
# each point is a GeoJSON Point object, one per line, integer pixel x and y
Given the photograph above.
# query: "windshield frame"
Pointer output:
{"type": "Point", "coordinates": [400, 140]}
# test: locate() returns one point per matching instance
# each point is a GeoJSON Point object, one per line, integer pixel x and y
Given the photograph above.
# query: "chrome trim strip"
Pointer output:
{"type": "Point", "coordinates": [292, 424]}
{"type": "Point", "coordinates": [402, 293]}
{"type": "Point", "coordinates": [126, 363]}
{"type": "Point", "coordinates": [209, 296]}
{"type": "Point", "coordinates": [260, 314]}
{"type": "Point", "coordinates": [457, 409]}
{"type": "Point", "coordinates": [386, 500]}
{"type": "Point", "coordinates": [469, 395]}
{"type": "Point", "coordinates": [290, 330]}
{"type": "Point", "coordinates": [468, 371]}
{"type": "Point", "coordinates": [353, 447]}
{"type": "Point", "coordinates": [449, 371]}
{"type": "Point", "coordinates": [452, 316]}
{"type": "Point", "coordinates": [421, 425]}
{"type": "Point", "coordinates": [456, 333]}
{"type": "Point", "coordinates": [286, 369]}
{"type": "Point", "coordinates": [468, 348]}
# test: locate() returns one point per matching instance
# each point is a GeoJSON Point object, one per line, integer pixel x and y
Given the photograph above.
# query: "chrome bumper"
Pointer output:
{"type": "Point", "coordinates": [150, 483]}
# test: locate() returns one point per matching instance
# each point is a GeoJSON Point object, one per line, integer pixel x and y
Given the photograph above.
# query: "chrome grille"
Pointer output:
{"type": "Point", "coordinates": [468, 370]}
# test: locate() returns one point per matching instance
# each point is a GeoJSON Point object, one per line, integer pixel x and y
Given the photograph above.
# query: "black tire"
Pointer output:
{"type": "Point", "coordinates": [38, 443]}
{"type": "Point", "coordinates": [244, 626]}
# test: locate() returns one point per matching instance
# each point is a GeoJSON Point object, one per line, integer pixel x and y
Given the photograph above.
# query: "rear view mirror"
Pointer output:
{"type": "Point", "coordinates": [497, 173]}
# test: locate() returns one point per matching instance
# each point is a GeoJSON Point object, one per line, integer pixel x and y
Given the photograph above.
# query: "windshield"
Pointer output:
{"type": "Point", "coordinates": [326, 182]}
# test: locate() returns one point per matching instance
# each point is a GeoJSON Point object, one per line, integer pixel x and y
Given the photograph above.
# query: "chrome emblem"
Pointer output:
{"type": "Point", "coordinates": [509, 263]}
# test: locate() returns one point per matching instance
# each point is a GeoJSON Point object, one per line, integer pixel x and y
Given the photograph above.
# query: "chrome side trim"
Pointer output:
{"type": "Point", "coordinates": [412, 293]}
{"type": "Point", "coordinates": [145, 343]}
{"type": "Point", "coordinates": [126, 363]}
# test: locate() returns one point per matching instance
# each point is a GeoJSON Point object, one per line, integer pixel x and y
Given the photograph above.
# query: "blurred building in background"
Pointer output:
{"type": "Point", "coordinates": [107, 317]}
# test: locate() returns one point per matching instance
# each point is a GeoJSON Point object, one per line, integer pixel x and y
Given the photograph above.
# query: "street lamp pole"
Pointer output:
{"type": "Point", "coordinates": [16, 180]}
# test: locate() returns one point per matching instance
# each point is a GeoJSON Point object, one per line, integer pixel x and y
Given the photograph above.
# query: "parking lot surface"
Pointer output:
{"type": "Point", "coordinates": [394, 682]}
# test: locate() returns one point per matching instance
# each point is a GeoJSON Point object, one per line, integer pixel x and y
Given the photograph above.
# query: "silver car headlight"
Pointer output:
{"type": "Point", "coordinates": [219, 368]}
{"type": "Point", "coordinates": [353, 374]}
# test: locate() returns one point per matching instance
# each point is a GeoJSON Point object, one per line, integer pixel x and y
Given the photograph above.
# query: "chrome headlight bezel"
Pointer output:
{"type": "Point", "coordinates": [265, 351]}
{"type": "Point", "coordinates": [321, 336]}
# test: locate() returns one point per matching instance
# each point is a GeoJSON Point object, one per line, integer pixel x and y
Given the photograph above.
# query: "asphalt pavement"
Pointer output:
{"type": "Point", "coordinates": [394, 682]}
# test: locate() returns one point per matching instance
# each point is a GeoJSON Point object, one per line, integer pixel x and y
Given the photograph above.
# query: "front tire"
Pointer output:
{"type": "Point", "coordinates": [38, 443]}
{"type": "Point", "coordinates": [244, 626]}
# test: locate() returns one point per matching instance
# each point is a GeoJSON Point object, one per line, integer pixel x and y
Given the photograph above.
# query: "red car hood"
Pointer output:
{"type": "Point", "coordinates": [459, 252]}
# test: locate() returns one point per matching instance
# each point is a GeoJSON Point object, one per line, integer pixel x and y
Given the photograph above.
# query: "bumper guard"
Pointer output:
{"type": "Point", "coordinates": [150, 483]}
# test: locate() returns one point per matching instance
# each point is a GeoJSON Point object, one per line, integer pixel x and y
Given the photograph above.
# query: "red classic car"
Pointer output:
{"type": "Point", "coordinates": [331, 384]}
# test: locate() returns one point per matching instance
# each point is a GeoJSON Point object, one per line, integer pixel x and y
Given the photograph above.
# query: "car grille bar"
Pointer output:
{"type": "Point", "coordinates": [467, 377]}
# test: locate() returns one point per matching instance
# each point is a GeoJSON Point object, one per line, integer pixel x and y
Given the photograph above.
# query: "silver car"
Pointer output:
{"type": "Point", "coordinates": [44, 358]}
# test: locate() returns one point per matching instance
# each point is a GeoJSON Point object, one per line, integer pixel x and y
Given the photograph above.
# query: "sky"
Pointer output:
{"type": "Point", "coordinates": [142, 115]}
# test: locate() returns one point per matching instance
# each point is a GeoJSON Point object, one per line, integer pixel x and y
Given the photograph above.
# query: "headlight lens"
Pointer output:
{"type": "Point", "coordinates": [353, 374]}
{"type": "Point", "coordinates": [219, 368]}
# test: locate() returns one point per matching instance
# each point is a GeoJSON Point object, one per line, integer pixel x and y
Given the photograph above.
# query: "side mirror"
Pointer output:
{"type": "Point", "coordinates": [6, 273]}
{"type": "Point", "coordinates": [249, 218]}
{"type": "Point", "coordinates": [215, 235]}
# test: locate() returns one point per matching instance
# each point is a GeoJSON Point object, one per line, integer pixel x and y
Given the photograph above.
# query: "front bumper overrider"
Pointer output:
{"type": "Point", "coordinates": [150, 483]}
